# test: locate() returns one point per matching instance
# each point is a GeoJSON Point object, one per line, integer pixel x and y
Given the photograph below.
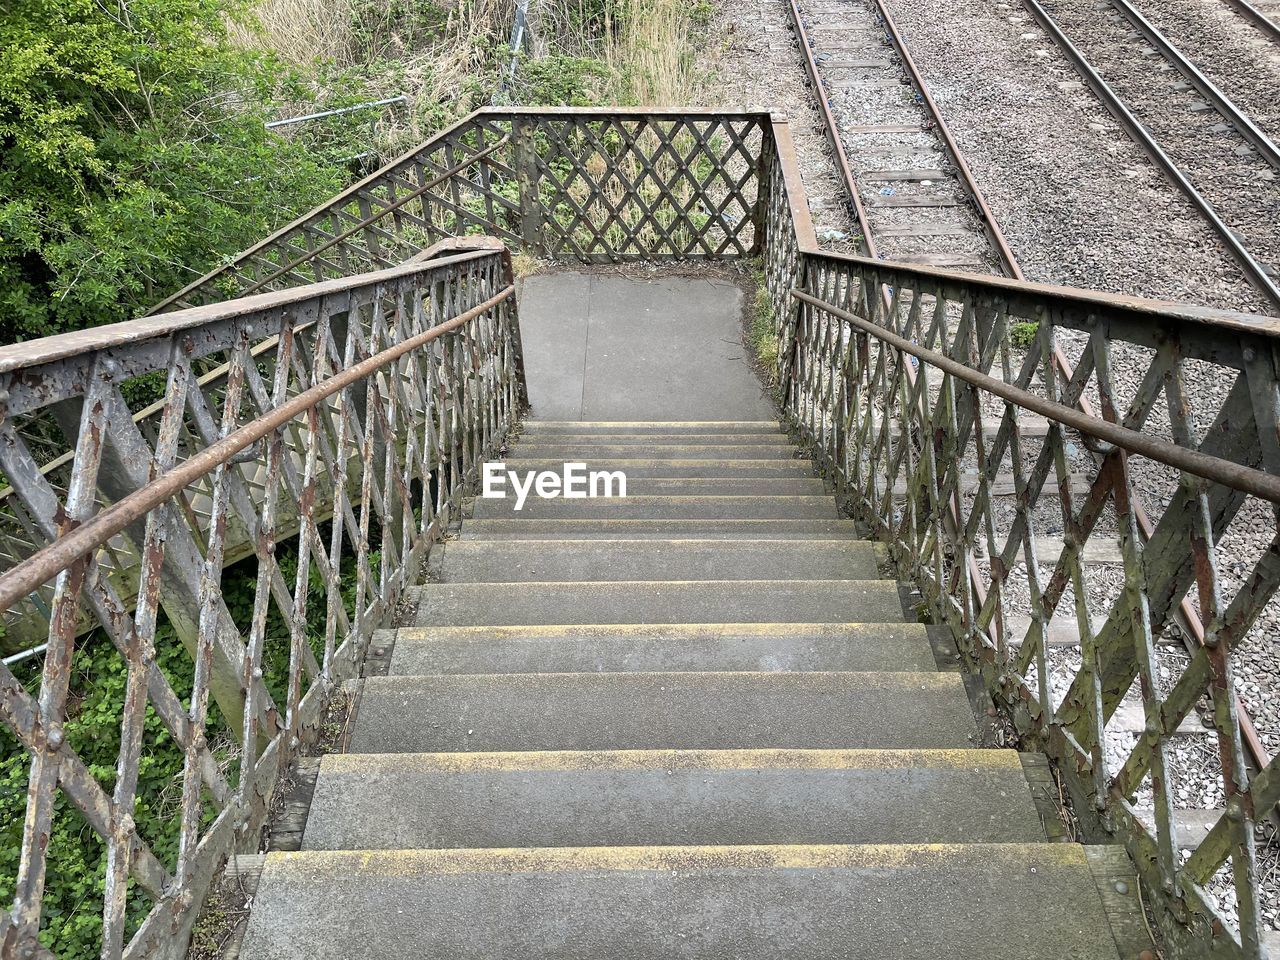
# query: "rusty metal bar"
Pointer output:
{"type": "Point", "coordinates": [47, 563]}
{"type": "Point", "coordinates": [1256, 482]}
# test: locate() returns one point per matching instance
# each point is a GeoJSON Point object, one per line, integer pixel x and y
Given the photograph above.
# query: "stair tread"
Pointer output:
{"type": "Point", "coordinates": [767, 486]}
{"type": "Point", "coordinates": [671, 797]}
{"type": "Point", "coordinates": [657, 601]}
{"type": "Point", "coordinates": [662, 710]}
{"type": "Point", "coordinates": [911, 902]}
{"type": "Point", "coordinates": [506, 561]}
{"type": "Point", "coordinates": [649, 465]}
{"type": "Point", "coordinates": [535, 425]}
{"type": "Point", "coordinates": [650, 438]}
{"type": "Point", "coordinates": [527, 528]}
{"type": "Point", "coordinates": [616, 648]}
{"type": "Point", "coordinates": [675, 507]}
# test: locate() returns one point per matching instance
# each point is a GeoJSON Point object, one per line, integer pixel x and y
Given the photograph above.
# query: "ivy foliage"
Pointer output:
{"type": "Point", "coordinates": [72, 907]}
{"type": "Point", "coordinates": [133, 156]}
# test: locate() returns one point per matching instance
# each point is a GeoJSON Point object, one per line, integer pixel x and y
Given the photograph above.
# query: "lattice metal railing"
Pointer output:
{"type": "Point", "coordinates": [970, 457]}
{"type": "Point", "coordinates": [360, 408]}
{"type": "Point", "coordinates": [588, 185]}
{"type": "Point", "coordinates": [993, 470]}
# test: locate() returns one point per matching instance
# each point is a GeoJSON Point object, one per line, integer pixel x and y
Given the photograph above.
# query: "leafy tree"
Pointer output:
{"type": "Point", "coordinates": [133, 156]}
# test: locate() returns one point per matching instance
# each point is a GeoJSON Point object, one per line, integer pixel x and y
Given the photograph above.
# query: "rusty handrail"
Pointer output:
{"type": "Point", "coordinates": [82, 540]}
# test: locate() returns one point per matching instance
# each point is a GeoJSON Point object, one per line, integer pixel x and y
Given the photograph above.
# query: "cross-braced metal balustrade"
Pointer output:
{"type": "Point", "coordinates": [361, 406]}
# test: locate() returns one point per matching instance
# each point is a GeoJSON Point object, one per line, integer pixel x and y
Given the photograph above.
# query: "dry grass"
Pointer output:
{"type": "Point", "coordinates": [301, 32]}
{"type": "Point", "coordinates": [438, 55]}
{"type": "Point", "coordinates": [648, 46]}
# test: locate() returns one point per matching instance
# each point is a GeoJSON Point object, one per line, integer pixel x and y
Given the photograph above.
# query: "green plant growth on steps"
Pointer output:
{"type": "Point", "coordinates": [764, 339]}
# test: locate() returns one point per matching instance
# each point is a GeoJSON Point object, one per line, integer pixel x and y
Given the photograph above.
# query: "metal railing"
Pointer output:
{"type": "Point", "coordinates": [914, 397]}
{"type": "Point", "coordinates": [906, 382]}
{"type": "Point", "coordinates": [591, 185]}
{"type": "Point", "coordinates": [362, 408]}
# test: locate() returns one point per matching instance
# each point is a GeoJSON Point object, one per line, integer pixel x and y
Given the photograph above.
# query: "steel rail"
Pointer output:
{"type": "Point", "coordinates": [833, 132]}
{"type": "Point", "coordinates": [988, 219]}
{"type": "Point", "coordinates": [1260, 20]}
{"type": "Point", "coordinates": [1195, 631]}
{"type": "Point", "coordinates": [1253, 270]}
{"type": "Point", "coordinates": [1204, 86]}
{"type": "Point", "coordinates": [1254, 748]}
{"type": "Point", "coordinates": [45, 564]}
{"type": "Point", "coordinates": [1257, 753]}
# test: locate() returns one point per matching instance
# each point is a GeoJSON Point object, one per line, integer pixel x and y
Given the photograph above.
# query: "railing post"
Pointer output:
{"type": "Point", "coordinates": [526, 161]}
{"type": "Point", "coordinates": [764, 185]}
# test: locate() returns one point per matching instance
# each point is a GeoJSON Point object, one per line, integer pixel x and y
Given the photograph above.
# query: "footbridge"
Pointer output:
{"type": "Point", "coordinates": [891, 649]}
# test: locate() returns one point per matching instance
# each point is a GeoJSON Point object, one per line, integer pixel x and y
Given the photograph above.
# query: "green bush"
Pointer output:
{"type": "Point", "coordinates": [133, 156]}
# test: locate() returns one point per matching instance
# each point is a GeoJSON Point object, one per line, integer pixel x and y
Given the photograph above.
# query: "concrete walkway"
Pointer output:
{"type": "Point", "coordinates": [600, 346]}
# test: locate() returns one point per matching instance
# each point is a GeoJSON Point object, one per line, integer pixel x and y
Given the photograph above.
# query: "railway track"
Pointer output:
{"type": "Point", "coordinates": [913, 196]}
{"type": "Point", "coordinates": [1265, 15]}
{"type": "Point", "coordinates": [916, 201]}
{"type": "Point", "coordinates": [1217, 157]}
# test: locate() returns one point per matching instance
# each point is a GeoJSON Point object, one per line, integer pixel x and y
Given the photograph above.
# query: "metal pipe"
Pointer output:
{"type": "Point", "coordinates": [47, 563]}
{"type": "Point", "coordinates": [271, 125]}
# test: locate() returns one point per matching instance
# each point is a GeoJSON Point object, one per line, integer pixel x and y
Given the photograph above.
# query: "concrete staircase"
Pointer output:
{"type": "Point", "coordinates": [690, 723]}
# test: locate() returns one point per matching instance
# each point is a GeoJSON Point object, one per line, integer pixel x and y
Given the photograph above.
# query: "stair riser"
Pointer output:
{"type": "Point", "coordinates": [694, 429]}
{"type": "Point", "coordinates": [706, 711]}
{"type": "Point", "coordinates": [741, 601]}
{"type": "Point", "coordinates": [721, 486]}
{"type": "Point", "coordinates": [771, 647]}
{"type": "Point", "coordinates": [640, 464]}
{"type": "Point", "coordinates": [407, 802]}
{"type": "Point", "coordinates": [575, 560]}
{"type": "Point", "coordinates": [651, 439]}
{"type": "Point", "coordinates": [591, 452]}
{"type": "Point", "coordinates": [656, 508]}
{"type": "Point", "coordinates": [525, 529]}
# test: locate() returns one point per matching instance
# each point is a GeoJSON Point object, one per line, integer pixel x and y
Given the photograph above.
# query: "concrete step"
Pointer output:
{"type": "Point", "coordinates": [662, 711]}
{"type": "Point", "coordinates": [797, 486]}
{"type": "Point", "coordinates": [638, 462]}
{"type": "Point", "coordinates": [859, 902]}
{"type": "Point", "coordinates": [693, 428]}
{"type": "Point", "coordinates": [513, 561]}
{"type": "Point", "coordinates": [528, 529]}
{"type": "Point", "coordinates": [659, 508]}
{"type": "Point", "coordinates": [671, 798]}
{"type": "Point", "coordinates": [590, 452]}
{"type": "Point", "coordinates": [657, 601]}
{"type": "Point", "coordinates": [574, 439]}
{"type": "Point", "coordinates": [617, 648]}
